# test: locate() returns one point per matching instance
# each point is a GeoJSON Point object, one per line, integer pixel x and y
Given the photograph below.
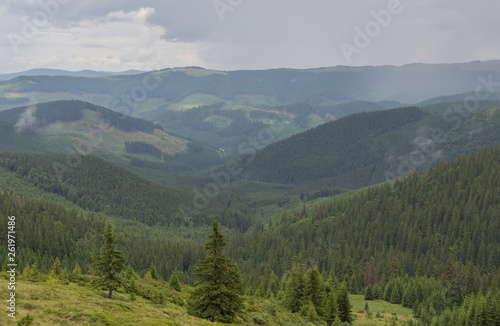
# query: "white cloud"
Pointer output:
{"type": "Point", "coordinates": [26, 119]}
{"type": "Point", "coordinates": [116, 41]}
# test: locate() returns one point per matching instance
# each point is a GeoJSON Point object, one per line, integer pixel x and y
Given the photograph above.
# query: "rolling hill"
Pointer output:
{"type": "Point", "coordinates": [15, 140]}
{"type": "Point", "coordinates": [96, 185]}
{"type": "Point", "coordinates": [79, 127]}
{"type": "Point", "coordinates": [369, 148]}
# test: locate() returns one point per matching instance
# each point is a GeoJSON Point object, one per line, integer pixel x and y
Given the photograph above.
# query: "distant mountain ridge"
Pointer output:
{"type": "Point", "coordinates": [60, 72]}
{"type": "Point", "coordinates": [181, 88]}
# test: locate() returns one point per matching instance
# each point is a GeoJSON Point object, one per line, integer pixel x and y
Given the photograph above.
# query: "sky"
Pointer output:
{"type": "Point", "coordinates": [118, 35]}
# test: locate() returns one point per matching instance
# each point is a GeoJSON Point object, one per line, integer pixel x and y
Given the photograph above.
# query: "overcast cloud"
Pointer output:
{"type": "Point", "coordinates": [243, 34]}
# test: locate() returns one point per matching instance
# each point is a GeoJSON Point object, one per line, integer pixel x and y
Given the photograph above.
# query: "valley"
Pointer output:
{"type": "Point", "coordinates": [339, 203]}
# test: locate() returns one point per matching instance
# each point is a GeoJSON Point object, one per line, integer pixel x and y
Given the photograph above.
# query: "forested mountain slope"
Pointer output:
{"type": "Point", "coordinates": [79, 127]}
{"type": "Point", "coordinates": [368, 148]}
{"type": "Point", "coordinates": [409, 226]}
{"type": "Point", "coordinates": [96, 185]}
{"type": "Point", "coordinates": [13, 139]}
{"type": "Point", "coordinates": [435, 232]}
{"type": "Point", "coordinates": [427, 241]}
{"type": "Point", "coordinates": [43, 114]}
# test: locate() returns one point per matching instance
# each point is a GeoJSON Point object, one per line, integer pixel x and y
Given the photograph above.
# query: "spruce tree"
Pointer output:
{"type": "Point", "coordinates": [76, 274]}
{"type": "Point", "coordinates": [217, 296]}
{"type": "Point", "coordinates": [174, 282]}
{"type": "Point", "coordinates": [109, 263]}
{"type": "Point", "coordinates": [56, 268]}
{"type": "Point", "coordinates": [316, 289]}
{"type": "Point", "coordinates": [345, 312]}
{"type": "Point", "coordinates": [152, 273]}
{"type": "Point", "coordinates": [369, 293]}
{"type": "Point", "coordinates": [332, 308]}
{"type": "Point", "coordinates": [295, 292]}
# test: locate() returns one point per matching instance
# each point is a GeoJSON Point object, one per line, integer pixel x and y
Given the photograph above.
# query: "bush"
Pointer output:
{"type": "Point", "coordinates": [26, 321]}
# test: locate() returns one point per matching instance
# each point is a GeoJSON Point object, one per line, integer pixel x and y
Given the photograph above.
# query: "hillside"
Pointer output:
{"type": "Point", "coordinates": [92, 184]}
{"type": "Point", "coordinates": [52, 303]}
{"type": "Point", "coordinates": [79, 127]}
{"type": "Point", "coordinates": [96, 185]}
{"type": "Point", "coordinates": [428, 242]}
{"type": "Point", "coordinates": [369, 148]}
{"type": "Point", "coordinates": [434, 232]}
{"type": "Point", "coordinates": [13, 139]}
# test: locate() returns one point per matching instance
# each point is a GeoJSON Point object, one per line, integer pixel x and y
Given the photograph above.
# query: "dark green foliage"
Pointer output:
{"type": "Point", "coordinates": [308, 310]}
{"type": "Point", "coordinates": [24, 140]}
{"type": "Point", "coordinates": [332, 309]}
{"type": "Point", "coordinates": [47, 113]}
{"type": "Point", "coordinates": [49, 230]}
{"type": "Point", "coordinates": [369, 293]}
{"type": "Point", "coordinates": [56, 268]}
{"type": "Point", "coordinates": [26, 320]}
{"type": "Point", "coordinates": [140, 147]}
{"type": "Point", "coordinates": [315, 289]}
{"type": "Point", "coordinates": [369, 148]}
{"type": "Point", "coordinates": [344, 147]}
{"type": "Point", "coordinates": [476, 310]}
{"type": "Point", "coordinates": [425, 215]}
{"type": "Point", "coordinates": [99, 186]}
{"type": "Point", "coordinates": [152, 273]}
{"type": "Point", "coordinates": [217, 296]}
{"type": "Point", "coordinates": [76, 274]}
{"type": "Point", "coordinates": [295, 290]}
{"type": "Point", "coordinates": [50, 112]}
{"type": "Point", "coordinates": [174, 282]}
{"type": "Point", "coordinates": [345, 313]}
{"type": "Point", "coordinates": [32, 273]}
{"type": "Point", "coordinates": [196, 123]}
{"type": "Point", "coordinates": [109, 263]}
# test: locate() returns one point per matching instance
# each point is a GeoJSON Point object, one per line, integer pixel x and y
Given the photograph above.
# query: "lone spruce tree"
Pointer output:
{"type": "Point", "coordinates": [109, 263]}
{"type": "Point", "coordinates": [217, 296]}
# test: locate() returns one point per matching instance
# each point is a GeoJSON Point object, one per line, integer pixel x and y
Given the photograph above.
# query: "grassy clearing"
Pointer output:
{"type": "Point", "coordinates": [56, 304]}
{"type": "Point", "coordinates": [193, 101]}
{"type": "Point", "coordinates": [380, 312]}
{"type": "Point", "coordinates": [75, 305]}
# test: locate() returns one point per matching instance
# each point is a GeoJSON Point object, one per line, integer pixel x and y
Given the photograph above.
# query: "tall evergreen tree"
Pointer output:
{"type": "Point", "coordinates": [332, 308]}
{"type": "Point", "coordinates": [174, 282]}
{"type": "Point", "coordinates": [152, 273]}
{"type": "Point", "coordinates": [56, 268]}
{"type": "Point", "coordinates": [109, 263]}
{"type": "Point", "coordinates": [315, 289]}
{"type": "Point", "coordinates": [345, 312]}
{"type": "Point", "coordinates": [217, 296]}
{"type": "Point", "coordinates": [295, 291]}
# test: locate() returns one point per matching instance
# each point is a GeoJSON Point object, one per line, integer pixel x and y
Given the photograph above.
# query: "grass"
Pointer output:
{"type": "Point", "coordinates": [108, 141]}
{"type": "Point", "coordinates": [56, 304]}
{"type": "Point", "coordinates": [388, 312]}
{"type": "Point", "coordinates": [193, 101]}
{"type": "Point", "coordinates": [76, 305]}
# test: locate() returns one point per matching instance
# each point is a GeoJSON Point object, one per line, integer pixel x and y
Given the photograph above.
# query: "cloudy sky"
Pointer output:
{"type": "Point", "coordinates": [117, 35]}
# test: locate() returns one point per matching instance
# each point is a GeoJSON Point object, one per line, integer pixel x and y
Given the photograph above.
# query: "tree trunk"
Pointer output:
{"type": "Point", "coordinates": [110, 292]}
